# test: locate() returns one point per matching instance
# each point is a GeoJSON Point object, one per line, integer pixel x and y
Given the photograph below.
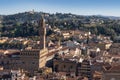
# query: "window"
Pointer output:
{"type": "Point", "coordinates": [33, 62]}
{"type": "Point", "coordinates": [56, 68]}
{"type": "Point", "coordinates": [2, 62]}
{"type": "Point", "coordinates": [64, 66]}
{"type": "Point", "coordinates": [23, 62]}
{"type": "Point", "coordinates": [71, 67]}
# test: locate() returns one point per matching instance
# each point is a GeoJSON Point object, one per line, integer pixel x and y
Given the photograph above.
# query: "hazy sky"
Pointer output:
{"type": "Point", "coordinates": [81, 7]}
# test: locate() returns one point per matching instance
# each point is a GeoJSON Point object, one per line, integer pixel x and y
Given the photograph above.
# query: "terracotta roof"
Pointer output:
{"type": "Point", "coordinates": [54, 52]}
{"type": "Point", "coordinates": [114, 68]}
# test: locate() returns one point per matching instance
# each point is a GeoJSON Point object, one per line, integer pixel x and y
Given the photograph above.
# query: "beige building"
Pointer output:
{"type": "Point", "coordinates": [66, 35]}
{"type": "Point", "coordinates": [29, 60]}
{"type": "Point", "coordinates": [36, 58]}
{"type": "Point", "coordinates": [115, 48]}
{"type": "Point", "coordinates": [66, 66]}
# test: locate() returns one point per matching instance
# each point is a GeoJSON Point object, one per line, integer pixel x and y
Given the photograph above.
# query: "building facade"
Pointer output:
{"type": "Point", "coordinates": [29, 60]}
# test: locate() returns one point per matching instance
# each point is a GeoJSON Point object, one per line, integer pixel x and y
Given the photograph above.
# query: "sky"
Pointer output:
{"type": "Point", "coordinates": [80, 7]}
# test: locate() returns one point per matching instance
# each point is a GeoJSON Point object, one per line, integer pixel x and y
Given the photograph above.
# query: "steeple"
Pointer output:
{"type": "Point", "coordinates": [42, 33]}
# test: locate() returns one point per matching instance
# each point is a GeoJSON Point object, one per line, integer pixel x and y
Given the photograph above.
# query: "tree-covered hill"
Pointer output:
{"type": "Point", "coordinates": [25, 24]}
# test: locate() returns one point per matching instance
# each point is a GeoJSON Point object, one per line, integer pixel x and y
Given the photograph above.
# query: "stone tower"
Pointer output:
{"type": "Point", "coordinates": [30, 60]}
{"type": "Point", "coordinates": [42, 33]}
{"type": "Point", "coordinates": [43, 48]}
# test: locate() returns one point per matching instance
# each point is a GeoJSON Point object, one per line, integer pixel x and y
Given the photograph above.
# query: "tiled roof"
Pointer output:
{"type": "Point", "coordinates": [112, 68]}
{"type": "Point", "coordinates": [115, 68]}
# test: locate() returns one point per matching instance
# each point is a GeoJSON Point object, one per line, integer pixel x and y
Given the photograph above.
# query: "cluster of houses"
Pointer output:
{"type": "Point", "coordinates": [85, 57]}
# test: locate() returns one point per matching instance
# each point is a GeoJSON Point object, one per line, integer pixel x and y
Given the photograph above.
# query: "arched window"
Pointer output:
{"type": "Point", "coordinates": [64, 66]}
{"type": "Point", "coordinates": [56, 68]}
